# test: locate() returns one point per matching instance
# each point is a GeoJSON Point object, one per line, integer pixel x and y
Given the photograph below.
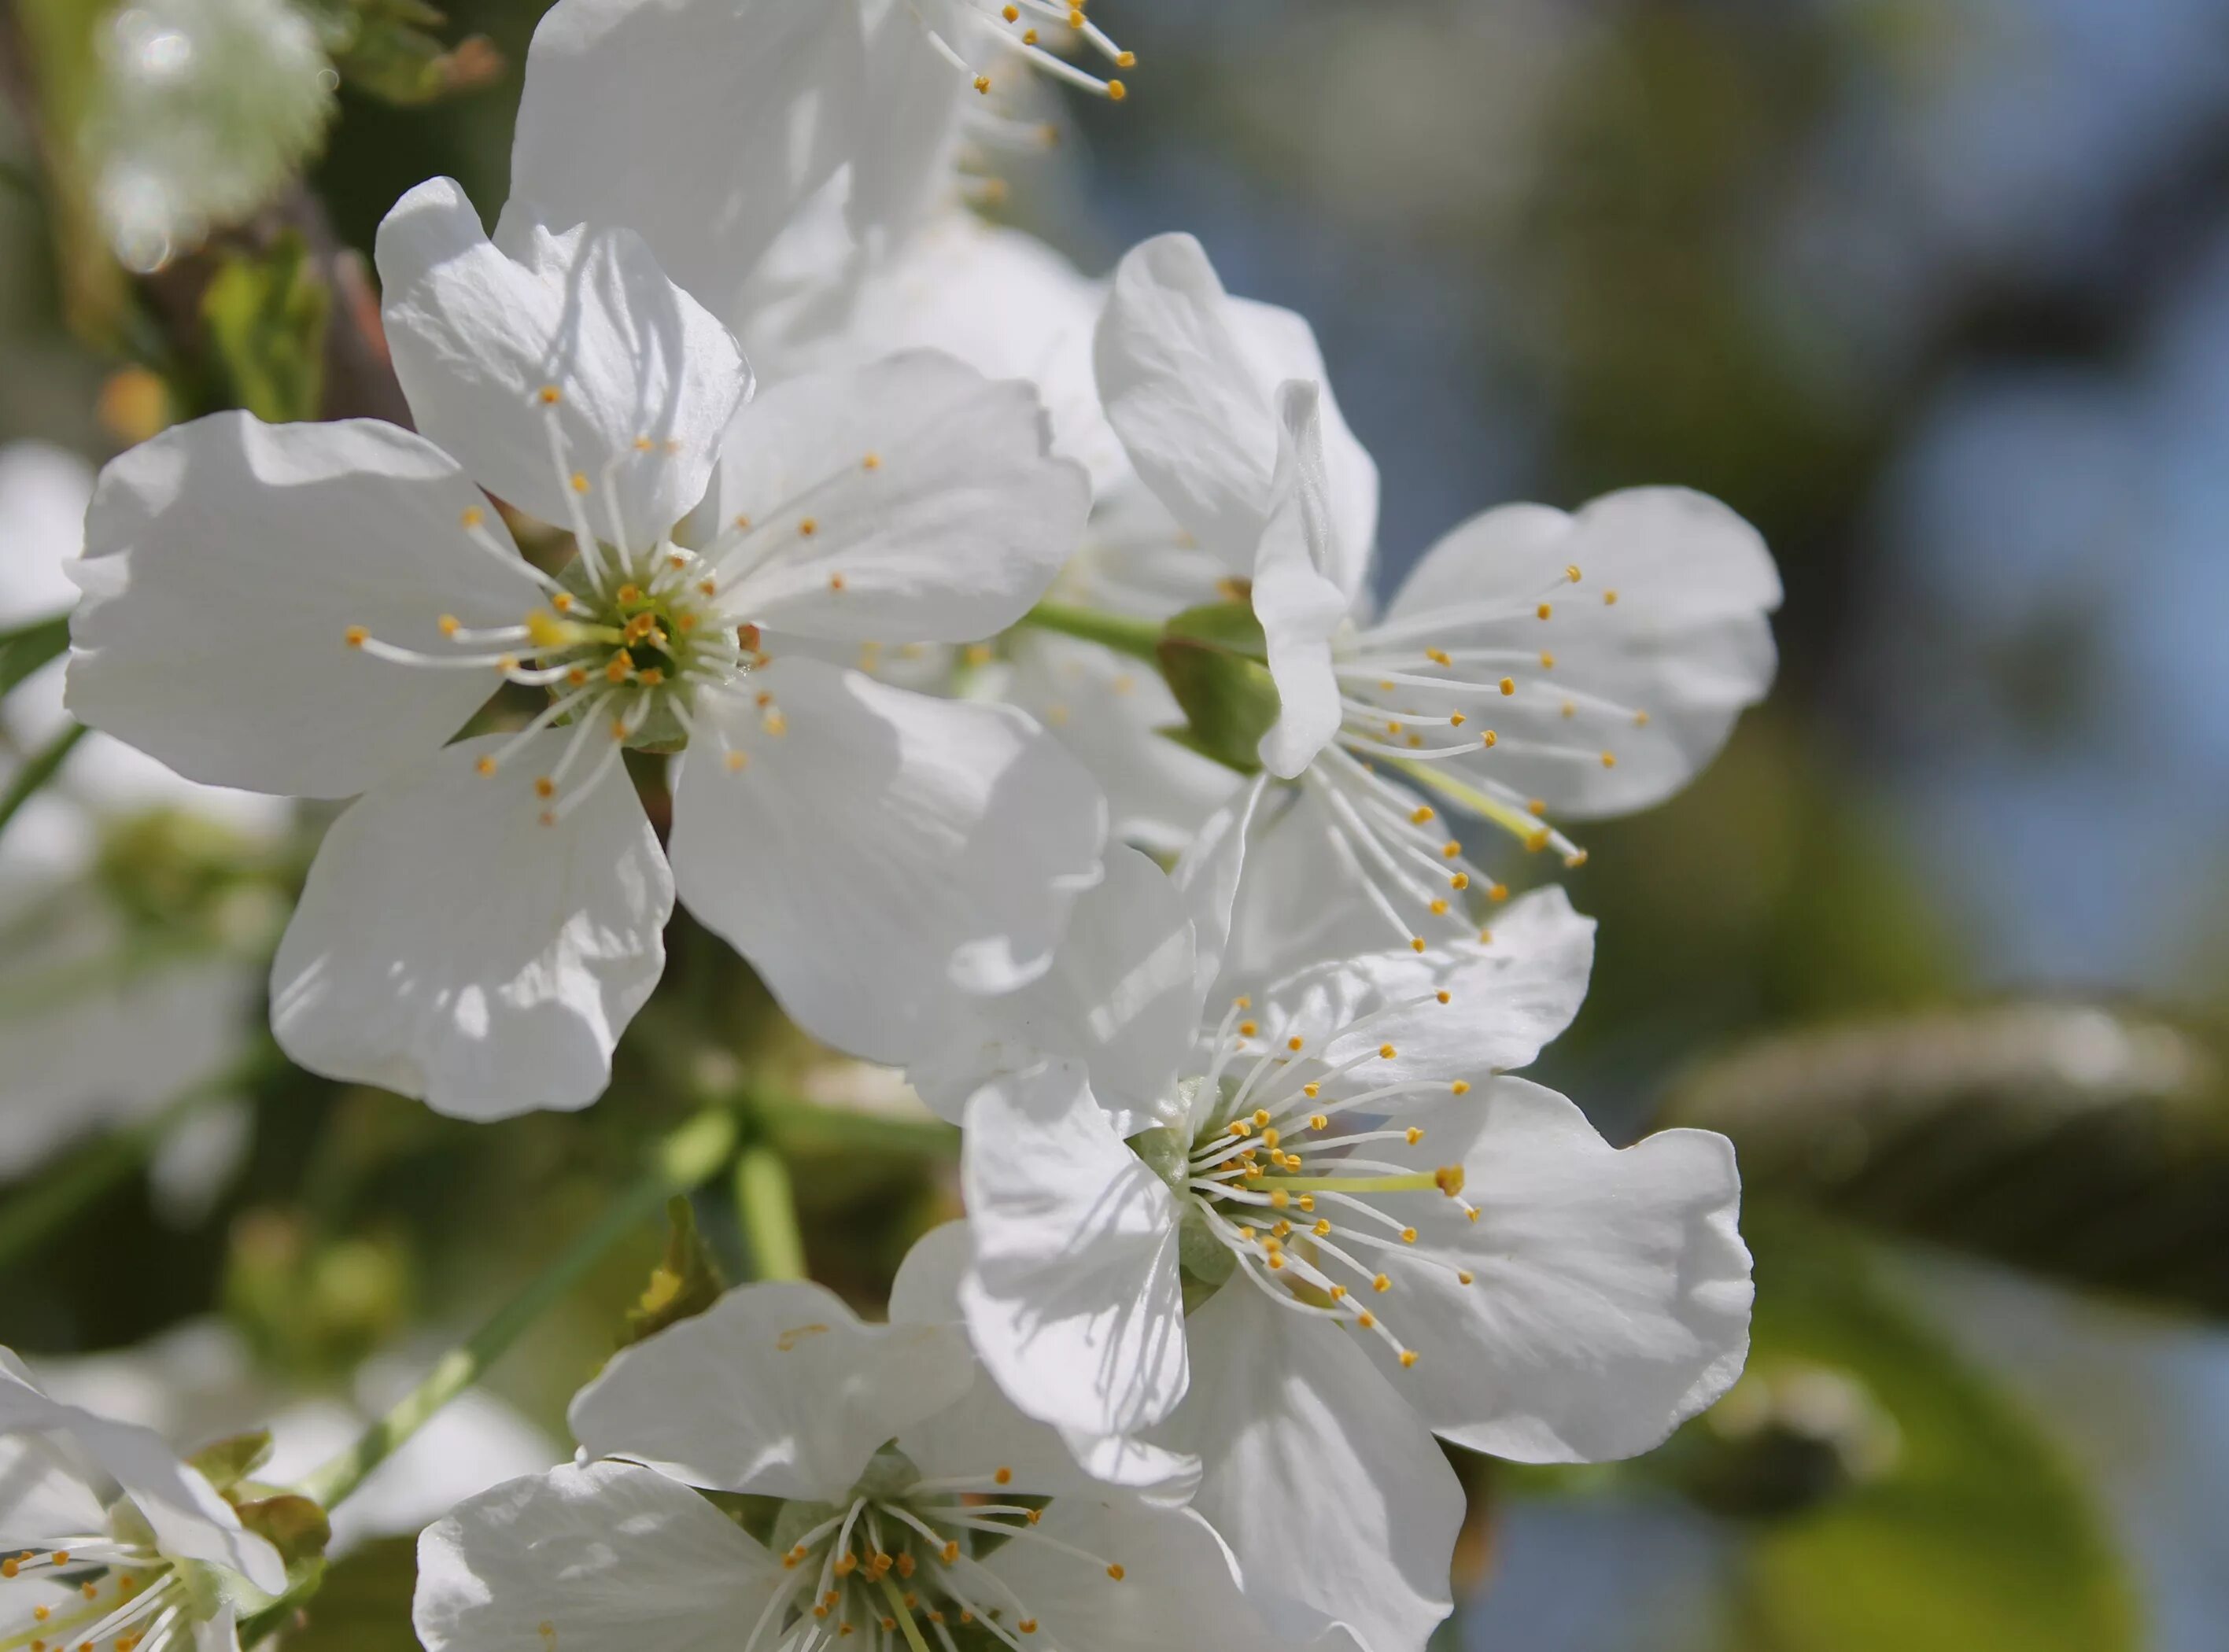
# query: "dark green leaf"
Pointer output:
{"type": "Point", "coordinates": [267, 316]}
{"type": "Point", "coordinates": [686, 1282]}
{"type": "Point", "coordinates": [2084, 1143]}
{"type": "Point", "coordinates": [1958, 1526]}
{"type": "Point", "coordinates": [23, 650]}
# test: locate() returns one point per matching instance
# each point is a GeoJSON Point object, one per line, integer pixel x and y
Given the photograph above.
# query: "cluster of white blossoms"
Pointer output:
{"type": "Point", "coordinates": [1255, 1208]}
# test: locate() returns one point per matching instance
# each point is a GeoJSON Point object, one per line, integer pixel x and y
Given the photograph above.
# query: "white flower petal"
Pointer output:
{"type": "Point", "coordinates": [905, 158]}
{"type": "Point", "coordinates": [451, 945]}
{"type": "Point", "coordinates": [1321, 1478]}
{"type": "Point", "coordinates": [1299, 607]}
{"type": "Point", "coordinates": [1121, 997]}
{"type": "Point", "coordinates": [1072, 1300]}
{"type": "Point", "coordinates": [646, 378]}
{"type": "Point", "coordinates": [1504, 1000]}
{"type": "Point", "coordinates": [1686, 642]}
{"type": "Point", "coordinates": [1208, 874]}
{"type": "Point", "coordinates": [189, 1519]}
{"type": "Point", "coordinates": [777, 1388]}
{"type": "Point", "coordinates": [927, 1289]}
{"type": "Point", "coordinates": [1178, 1589]}
{"type": "Point", "coordinates": [700, 124]}
{"type": "Point", "coordinates": [603, 1555]}
{"type": "Point", "coordinates": [226, 561]}
{"type": "Point", "coordinates": [935, 514]}
{"type": "Point", "coordinates": [1612, 1289]}
{"type": "Point", "coordinates": [1186, 374]}
{"type": "Point", "coordinates": [883, 853]}
{"type": "Point", "coordinates": [1109, 710]}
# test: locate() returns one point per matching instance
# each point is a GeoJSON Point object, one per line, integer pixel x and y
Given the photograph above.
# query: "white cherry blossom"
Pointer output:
{"type": "Point", "coordinates": [1301, 1233]}
{"type": "Point", "coordinates": [916, 1508]}
{"type": "Point", "coordinates": [107, 1537]}
{"type": "Point", "coordinates": [1533, 663]}
{"type": "Point", "coordinates": [315, 610]}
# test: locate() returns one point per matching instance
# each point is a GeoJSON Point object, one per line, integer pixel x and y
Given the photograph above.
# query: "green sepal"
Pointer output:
{"type": "Point", "coordinates": [684, 1284]}
{"type": "Point", "coordinates": [294, 1525]}
{"type": "Point", "coordinates": [1213, 659]}
{"type": "Point", "coordinates": [265, 315]}
{"type": "Point", "coordinates": [224, 1463]}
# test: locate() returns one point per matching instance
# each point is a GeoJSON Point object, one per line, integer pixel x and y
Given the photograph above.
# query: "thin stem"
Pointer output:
{"type": "Point", "coordinates": [904, 1617]}
{"type": "Point", "coordinates": [686, 1158]}
{"type": "Point", "coordinates": [1141, 638]}
{"type": "Point", "coordinates": [37, 772]}
{"type": "Point", "coordinates": [27, 647]}
{"type": "Point", "coordinates": [54, 1198]}
{"type": "Point", "coordinates": [768, 1206]}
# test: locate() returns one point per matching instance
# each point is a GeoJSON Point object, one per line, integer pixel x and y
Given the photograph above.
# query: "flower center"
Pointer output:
{"type": "Point", "coordinates": [1033, 31]}
{"type": "Point", "coordinates": [92, 1590]}
{"type": "Point", "coordinates": [904, 1556]}
{"type": "Point", "coordinates": [1279, 1175]}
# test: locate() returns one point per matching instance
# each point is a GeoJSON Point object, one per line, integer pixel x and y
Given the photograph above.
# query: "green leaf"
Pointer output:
{"type": "Point", "coordinates": [364, 1603]}
{"type": "Point", "coordinates": [683, 1285]}
{"type": "Point", "coordinates": [387, 49]}
{"type": "Point", "coordinates": [23, 650]}
{"type": "Point", "coordinates": [2084, 1143]}
{"type": "Point", "coordinates": [1959, 1528]}
{"type": "Point", "coordinates": [1212, 659]}
{"type": "Point", "coordinates": [265, 315]}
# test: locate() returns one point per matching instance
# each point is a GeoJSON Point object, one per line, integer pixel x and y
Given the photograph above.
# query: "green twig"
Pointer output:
{"type": "Point", "coordinates": [1141, 638]}
{"type": "Point", "coordinates": [768, 1206]}
{"type": "Point", "coordinates": [690, 1156]}
{"type": "Point", "coordinates": [37, 772]}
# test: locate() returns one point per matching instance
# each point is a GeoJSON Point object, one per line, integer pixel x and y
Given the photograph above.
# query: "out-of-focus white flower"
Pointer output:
{"type": "Point", "coordinates": [107, 1534]}
{"type": "Point", "coordinates": [1392, 1238]}
{"type": "Point", "coordinates": [314, 609]}
{"type": "Point", "coordinates": [204, 108]}
{"type": "Point", "coordinates": [94, 1030]}
{"type": "Point", "coordinates": [914, 1501]}
{"type": "Point", "coordinates": [198, 1382]}
{"type": "Point", "coordinates": [1533, 663]}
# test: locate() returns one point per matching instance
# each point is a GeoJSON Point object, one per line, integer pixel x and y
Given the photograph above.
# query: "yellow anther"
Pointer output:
{"type": "Point", "coordinates": [1538, 808]}
{"type": "Point", "coordinates": [1029, 38]}
{"type": "Point", "coordinates": [1509, 686]}
{"type": "Point", "coordinates": [617, 668]}
{"type": "Point", "coordinates": [1117, 91]}
{"type": "Point", "coordinates": [630, 592]}
{"type": "Point", "coordinates": [1420, 815]}
{"type": "Point", "coordinates": [775, 723]}
{"type": "Point", "coordinates": [1382, 1283]}
{"type": "Point", "coordinates": [1462, 1277]}
{"type": "Point", "coordinates": [618, 729]}
{"type": "Point", "coordinates": [1242, 1003]}
{"type": "Point", "coordinates": [1282, 1229]}
{"type": "Point", "coordinates": [1570, 709]}
{"type": "Point", "coordinates": [1415, 943]}
{"type": "Point", "coordinates": [471, 516]}
{"type": "Point", "coordinates": [1441, 995]}
{"type": "Point", "coordinates": [1319, 1120]}
{"type": "Point", "coordinates": [1416, 1134]}
{"type": "Point", "coordinates": [835, 581]}
{"type": "Point", "coordinates": [450, 625]}
{"type": "Point", "coordinates": [1275, 1261]}
{"type": "Point", "coordinates": [1271, 1138]}
{"type": "Point", "coordinates": [1572, 573]}
{"type": "Point", "coordinates": [1306, 1201]}
{"type": "Point", "coordinates": [644, 444]}
{"type": "Point", "coordinates": [1366, 1320]}
{"type": "Point", "coordinates": [1640, 719]}
{"type": "Point", "coordinates": [1279, 1199]}
{"type": "Point", "coordinates": [1386, 1052]}
{"type": "Point", "coordinates": [1439, 909]}
{"type": "Point", "coordinates": [810, 526]}
{"type": "Point", "coordinates": [1610, 760]}
{"type": "Point", "coordinates": [547, 630]}
{"type": "Point", "coordinates": [847, 1564]}
{"type": "Point", "coordinates": [1261, 1116]}
{"type": "Point", "coordinates": [1456, 719]}
{"type": "Point", "coordinates": [651, 677]}
{"type": "Point", "coordinates": [1075, 17]}
{"type": "Point", "coordinates": [1248, 1029]}
{"type": "Point", "coordinates": [549, 396]}
{"type": "Point", "coordinates": [356, 636]}
{"type": "Point", "coordinates": [577, 676]}
{"type": "Point", "coordinates": [1011, 14]}
{"type": "Point", "coordinates": [1460, 1087]}
{"type": "Point", "coordinates": [1408, 1358]}
{"type": "Point", "coordinates": [1116, 1573]}
{"type": "Point", "coordinates": [1537, 842]}
{"type": "Point", "coordinates": [1489, 739]}
{"type": "Point", "coordinates": [1321, 1229]}
{"type": "Point", "coordinates": [1545, 609]}
{"type": "Point", "coordinates": [1439, 656]}
{"type": "Point", "coordinates": [1309, 1090]}
{"type": "Point", "coordinates": [1459, 881]}
{"type": "Point", "coordinates": [1004, 1476]}
{"type": "Point", "coordinates": [1293, 1044]}
{"type": "Point", "coordinates": [1028, 1626]}
{"type": "Point", "coordinates": [1576, 859]}
{"type": "Point", "coordinates": [1240, 1128]}
{"type": "Point", "coordinates": [1126, 59]}
{"type": "Point", "coordinates": [983, 84]}
{"type": "Point", "coordinates": [544, 787]}
{"type": "Point", "coordinates": [1609, 598]}
{"type": "Point", "coordinates": [1408, 1236]}
{"type": "Point", "coordinates": [1498, 892]}
{"type": "Point", "coordinates": [950, 1553]}
{"type": "Point", "coordinates": [1392, 728]}
{"type": "Point", "coordinates": [737, 761]}
{"type": "Point", "coordinates": [486, 765]}
{"type": "Point", "coordinates": [1547, 660]}
{"type": "Point", "coordinates": [580, 482]}
{"type": "Point", "coordinates": [1450, 850]}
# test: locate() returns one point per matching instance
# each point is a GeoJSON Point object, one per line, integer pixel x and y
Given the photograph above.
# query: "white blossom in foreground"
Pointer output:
{"type": "Point", "coordinates": [916, 1508]}
{"type": "Point", "coordinates": [1533, 663]}
{"type": "Point", "coordinates": [1306, 1230]}
{"type": "Point", "coordinates": [316, 609]}
{"type": "Point", "coordinates": [108, 1538]}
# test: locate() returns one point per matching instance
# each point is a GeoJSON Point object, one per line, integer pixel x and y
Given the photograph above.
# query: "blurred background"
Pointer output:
{"type": "Point", "coordinates": [1935, 292]}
